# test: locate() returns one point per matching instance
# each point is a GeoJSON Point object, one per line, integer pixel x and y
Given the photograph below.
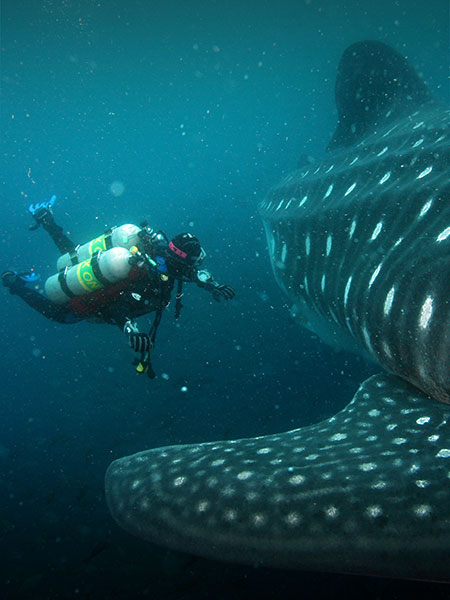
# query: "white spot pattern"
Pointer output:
{"type": "Point", "coordinates": [376, 231]}
{"type": "Point", "coordinates": [389, 300]}
{"type": "Point", "coordinates": [426, 312]}
{"type": "Point", "coordinates": [443, 235]}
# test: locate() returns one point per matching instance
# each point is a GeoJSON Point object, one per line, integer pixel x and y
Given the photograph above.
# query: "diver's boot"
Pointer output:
{"type": "Point", "coordinates": [12, 281]}
{"type": "Point", "coordinates": [16, 282]}
{"type": "Point", "coordinates": [42, 214]}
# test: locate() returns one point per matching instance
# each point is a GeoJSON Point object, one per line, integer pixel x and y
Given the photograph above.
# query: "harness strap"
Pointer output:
{"type": "Point", "coordinates": [63, 283]}
{"type": "Point", "coordinates": [96, 270]}
{"type": "Point", "coordinates": [146, 356]}
{"type": "Point", "coordinates": [155, 325]}
{"type": "Point", "coordinates": [108, 238]}
{"type": "Point", "coordinates": [179, 295]}
{"type": "Point", "coordinates": [73, 255]}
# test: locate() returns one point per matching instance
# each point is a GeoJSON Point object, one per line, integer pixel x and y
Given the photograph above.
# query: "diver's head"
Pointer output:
{"type": "Point", "coordinates": [184, 253]}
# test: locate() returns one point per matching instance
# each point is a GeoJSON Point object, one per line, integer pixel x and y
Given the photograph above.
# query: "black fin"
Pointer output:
{"type": "Point", "coordinates": [373, 81]}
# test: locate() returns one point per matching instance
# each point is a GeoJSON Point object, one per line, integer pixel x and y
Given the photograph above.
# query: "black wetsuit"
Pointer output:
{"type": "Point", "coordinates": [146, 289]}
{"type": "Point", "coordinates": [150, 292]}
{"type": "Point", "coordinates": [139, 298]}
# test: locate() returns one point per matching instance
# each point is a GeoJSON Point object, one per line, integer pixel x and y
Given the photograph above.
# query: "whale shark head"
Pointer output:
{"type": "Point", "coordinates": [361, 241]}
{"type": "Point", "coordinates": [360, 244]}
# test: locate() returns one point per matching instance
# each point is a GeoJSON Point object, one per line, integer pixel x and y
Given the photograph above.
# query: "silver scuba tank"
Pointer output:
{"type": "Point", "coordinates": [125, 236]}
{"type": "Point", "coordinates": [98, 271]}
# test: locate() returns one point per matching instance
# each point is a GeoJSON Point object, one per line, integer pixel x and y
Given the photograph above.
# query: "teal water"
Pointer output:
{"type": "Point", "coordinates": [182, 113]}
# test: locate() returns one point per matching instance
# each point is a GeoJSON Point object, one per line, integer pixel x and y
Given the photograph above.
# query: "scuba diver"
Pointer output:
{"type": "Point", "coordinates": [127, 272]}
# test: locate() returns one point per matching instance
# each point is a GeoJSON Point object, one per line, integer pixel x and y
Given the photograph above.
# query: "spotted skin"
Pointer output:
{"type": "Point", "coordinates": [360, 243]}
{"type": "Point", "coordinates": [370, 257]}
{"type": "Point", "coordinates": [367, 491]}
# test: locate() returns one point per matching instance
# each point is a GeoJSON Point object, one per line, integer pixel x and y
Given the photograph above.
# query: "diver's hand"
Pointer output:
{"type": "Point", "coordinates": [140, 342]}
{"type": "Point", "coordinates": [223, 291]}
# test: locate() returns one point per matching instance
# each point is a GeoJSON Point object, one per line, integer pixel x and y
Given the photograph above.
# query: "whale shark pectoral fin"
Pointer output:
{"type": "Point", "coordinates": [367, 491]}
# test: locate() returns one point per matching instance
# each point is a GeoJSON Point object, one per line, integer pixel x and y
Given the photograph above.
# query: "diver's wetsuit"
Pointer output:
{"type": "Point", "coordinates": [132, 299]}
{"type": "Point", "coordinates": [147, 287]}
{"type": "Point", "coordinates": [125, 301]}
{"type": "Point", "coordinates": [139, 298]}
{"type": "Point", "coordinates": [55, 312]}
{"type": "Point", "coordinates": [56, 232]}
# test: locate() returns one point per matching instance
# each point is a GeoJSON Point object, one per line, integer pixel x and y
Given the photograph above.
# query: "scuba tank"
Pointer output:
{"type": "Point", "coordinates": [125, 236]}
{"type": "Point", "coordinates": [98, 271]}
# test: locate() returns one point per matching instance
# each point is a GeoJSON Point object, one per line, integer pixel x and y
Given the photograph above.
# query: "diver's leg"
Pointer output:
{"type": "Point", "coordinates": [43, 215]}
{"type": "Point", "coordinates": [55, 312]}
{"type": "Point", "coordinates": [45, 218]}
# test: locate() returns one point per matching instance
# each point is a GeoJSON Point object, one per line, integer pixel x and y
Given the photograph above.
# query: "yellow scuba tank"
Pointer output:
{"type": "Point", "coordinates": [99, 270]}
{"type": "Point", "coordinates": [124, 236]}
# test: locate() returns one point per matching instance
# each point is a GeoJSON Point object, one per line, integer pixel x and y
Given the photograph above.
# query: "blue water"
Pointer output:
{"type": "Point", "coordinates": [182, 113]}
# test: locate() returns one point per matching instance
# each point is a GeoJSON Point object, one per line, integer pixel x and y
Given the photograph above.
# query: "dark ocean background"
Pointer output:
{"type": "Point", "coordinates": [183, 113]}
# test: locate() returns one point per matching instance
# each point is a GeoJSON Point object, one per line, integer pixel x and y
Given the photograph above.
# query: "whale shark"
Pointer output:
{"type": "Point", "coordinates": [360, 244]}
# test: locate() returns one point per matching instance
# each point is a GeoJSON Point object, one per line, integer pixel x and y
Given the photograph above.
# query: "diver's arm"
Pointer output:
{"type": "Point", "coordinates": [205, 280]}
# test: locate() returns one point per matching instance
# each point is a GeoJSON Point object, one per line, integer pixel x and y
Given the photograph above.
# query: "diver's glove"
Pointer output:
{"type": "Point", "coordinates": [223, 291]}
{"type": "Point", "coordinates": [130, 327]}
{"type": "Point", "coordinates": [42, 213]}
{"type": "Point", "coordinates": [140, 342]}
{"type": "Point", "coordinates": [144, 365]}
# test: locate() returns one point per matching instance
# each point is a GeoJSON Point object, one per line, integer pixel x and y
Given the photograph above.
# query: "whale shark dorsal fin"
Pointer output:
{"type": "Point", "coordinates": [374, 83]}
